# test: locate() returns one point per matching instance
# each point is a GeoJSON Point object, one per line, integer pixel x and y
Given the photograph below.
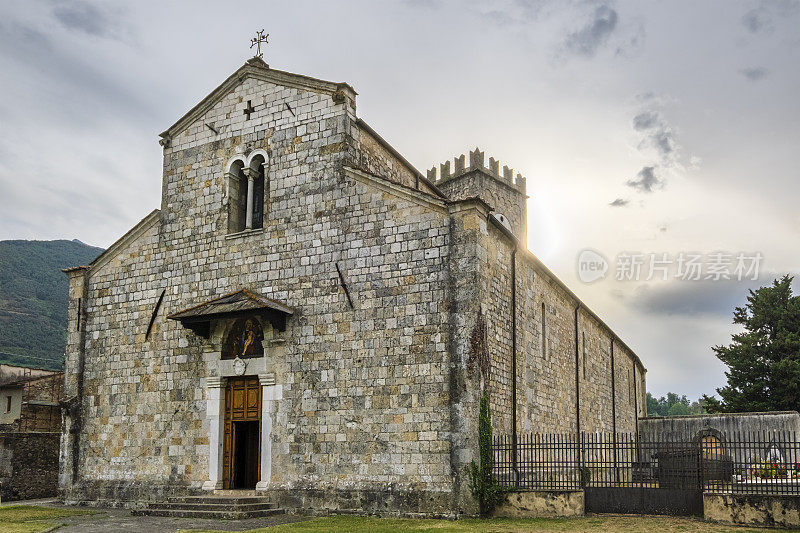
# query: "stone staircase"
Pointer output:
{"type": "Point", "coordinates": [219, 506]}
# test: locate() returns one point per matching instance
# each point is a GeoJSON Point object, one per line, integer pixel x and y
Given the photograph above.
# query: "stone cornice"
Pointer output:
{"type": "Point", "coordinates": [133, 234]}
{"type": "Point", "coordinates": [257, 69]}
{"type": "Point", "coordinates": [390, 187]}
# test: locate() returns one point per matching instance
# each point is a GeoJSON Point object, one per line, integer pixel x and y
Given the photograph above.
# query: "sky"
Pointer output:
{"type": "Point", "coordinates": [649, 132]}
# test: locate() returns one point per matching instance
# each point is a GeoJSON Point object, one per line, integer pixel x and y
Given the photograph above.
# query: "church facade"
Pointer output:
{"type": "Point", "coordinates": [309, 316]}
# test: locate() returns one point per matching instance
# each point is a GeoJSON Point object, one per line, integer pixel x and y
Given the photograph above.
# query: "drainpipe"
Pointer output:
{"type": "Point", "coordinates": [636, 414]}
{"type": "Point", "coordinates": [577, 378]}
{"type": "Point", "coordinates": [76, 410]}
{"type": "Point", "coordinates": [614, 409]}
{"type": "Point", "coordinates": [514, 358]}
{"type": "Point", "coordinates": [578, 399]}
{"type": "Point", "coordinates": [635, 401]}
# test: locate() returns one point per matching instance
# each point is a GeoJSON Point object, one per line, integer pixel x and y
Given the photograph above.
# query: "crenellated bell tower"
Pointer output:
{"type": "Point", "coordinates": [504, 194]}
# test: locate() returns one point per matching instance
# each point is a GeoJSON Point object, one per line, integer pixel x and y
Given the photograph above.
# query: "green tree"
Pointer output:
{"type": "Point", "coordinates": [763, 360]}
{"type": "Point", "coordinates": [673, 405]}
{"type": "Point", "coordinates": [482, 483]}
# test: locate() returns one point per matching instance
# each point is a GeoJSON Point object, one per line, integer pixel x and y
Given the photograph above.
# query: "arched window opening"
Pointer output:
{"type": "Point", "coordinates": [247, 188]}
{"type": "Point", "coordinates": [257, 169]}
{"type": "Point", "coordinates": [244, 340]}
{"type": "Point", "coordinates": [237, 197]}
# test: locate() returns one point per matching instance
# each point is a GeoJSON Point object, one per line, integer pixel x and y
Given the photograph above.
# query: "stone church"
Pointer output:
{"type": "Point", "coordinates": [310, 316]}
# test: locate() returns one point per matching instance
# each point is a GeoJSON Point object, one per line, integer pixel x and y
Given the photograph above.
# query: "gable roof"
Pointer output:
{"type": "Point", "coordinates": [253, 68]}
{"type": "Point", "coordinates": [238, 302]}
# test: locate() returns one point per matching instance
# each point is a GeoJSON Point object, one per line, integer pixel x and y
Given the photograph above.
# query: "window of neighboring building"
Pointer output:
{"type": "Point", "coordinates": [8, 404]}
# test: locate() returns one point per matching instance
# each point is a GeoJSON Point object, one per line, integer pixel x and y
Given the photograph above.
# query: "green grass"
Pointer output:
{"type": "Point", "coordinates": [32, 519]}
{"type": "Point", "coordinates": [598, 524]}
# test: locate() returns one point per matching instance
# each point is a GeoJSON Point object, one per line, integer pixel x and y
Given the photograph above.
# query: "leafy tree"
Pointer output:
{"type": "Point", "coordinates": [482, 483]}
{"type": "Point", "coordinates": [673, 405]}
{"type": "Point", "coordinates": [764, 360]}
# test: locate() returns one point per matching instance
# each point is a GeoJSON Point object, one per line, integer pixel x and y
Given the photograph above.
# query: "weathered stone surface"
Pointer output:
{"type": "Point", "coordinates": [752, 509]}
{"type": "Point", "coordinates": [28, 465]}
{"type": "Point", "coordinates": [370, 406]}
{"type": "Point", "coordinates": [541, 504]}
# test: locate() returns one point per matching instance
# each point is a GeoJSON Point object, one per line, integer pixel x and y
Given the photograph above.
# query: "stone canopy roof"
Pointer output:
{"type": "Point", "coordinates": [240, 303]}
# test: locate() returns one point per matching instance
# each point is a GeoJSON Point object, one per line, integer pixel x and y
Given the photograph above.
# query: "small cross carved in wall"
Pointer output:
{"type": "Point", "coordinates": [249, 109]}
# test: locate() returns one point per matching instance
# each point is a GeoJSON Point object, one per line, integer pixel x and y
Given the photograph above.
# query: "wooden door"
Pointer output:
{"type": "Point", "coordinates": [242, 404]}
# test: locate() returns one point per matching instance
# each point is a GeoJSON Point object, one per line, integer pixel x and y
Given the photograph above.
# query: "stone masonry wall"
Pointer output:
{"type": "Point", "coordinates": [374, 157]}
{"type": "Point", "coordinates": [546, 364]}
{"type": "Point", "coordinates": [365, 390]}
{"type": "Point", "coordinates": [28, 465]}
{"type": "Point", "coordinates": [379, 400]}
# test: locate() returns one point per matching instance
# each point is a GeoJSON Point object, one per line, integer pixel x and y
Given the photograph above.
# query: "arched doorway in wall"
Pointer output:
{"type": "Point", "coordinates": [715, 463]}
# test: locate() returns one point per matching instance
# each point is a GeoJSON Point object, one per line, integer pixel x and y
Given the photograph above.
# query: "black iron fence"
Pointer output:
{"type": "Point", "coordinates": [740, 463]}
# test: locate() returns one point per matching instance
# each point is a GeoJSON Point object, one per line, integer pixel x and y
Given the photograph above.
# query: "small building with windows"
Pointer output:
{"type": "Point", "coordinates": [30, 430]}
{"type": "Point", "coordinates": [309, 316]}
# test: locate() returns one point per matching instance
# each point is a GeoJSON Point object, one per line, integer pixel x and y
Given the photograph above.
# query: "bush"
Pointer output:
{"type": "Point", "coordinates": [482, 483]}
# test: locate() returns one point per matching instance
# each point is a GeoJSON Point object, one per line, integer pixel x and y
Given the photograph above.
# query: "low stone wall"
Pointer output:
{"type": "Point", "coordinates": [752, 509]}
{"type": "Point", "coordinates": [542, 504]}
{"type": "Point", "coordinates": [387, 501]}
{"type": "Point", "coordinates": [692, 426]}
{"type": "Point", "coordinates": [29, 465]}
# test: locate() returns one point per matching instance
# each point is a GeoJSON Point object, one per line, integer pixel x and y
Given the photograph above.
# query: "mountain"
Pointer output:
{"type": "Point", "coordinates": [33, 299]}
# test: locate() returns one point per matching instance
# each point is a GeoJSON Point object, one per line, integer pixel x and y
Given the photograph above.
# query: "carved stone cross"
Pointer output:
{"type": "Point", "coordinates": [249, 109]}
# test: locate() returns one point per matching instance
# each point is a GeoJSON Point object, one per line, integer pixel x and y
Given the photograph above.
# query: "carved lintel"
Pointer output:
{"type": "Point", "coordinates": [215, 382]}
{"type": "Point", "coordinates": [267, 379]}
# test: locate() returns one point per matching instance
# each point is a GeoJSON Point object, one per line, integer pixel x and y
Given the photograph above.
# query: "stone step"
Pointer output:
{"type": "Point", "coordinates": [218, 514]}
{"type": "Point", "coordinates": [222, 500]}
{"type": "Point", "coordinates": [213, 506]}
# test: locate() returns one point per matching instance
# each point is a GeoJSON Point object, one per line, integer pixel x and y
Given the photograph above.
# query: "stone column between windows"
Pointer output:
{"type": "Point", "coordinates": [215, 412]}
{"type": "Point", "coordinates": [270, 394]}
{"type": "Point", "coordinates": [250, 174]}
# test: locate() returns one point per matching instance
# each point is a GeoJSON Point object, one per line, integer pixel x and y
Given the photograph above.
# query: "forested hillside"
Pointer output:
{"type": "Point", "coordinates": [33, 299]}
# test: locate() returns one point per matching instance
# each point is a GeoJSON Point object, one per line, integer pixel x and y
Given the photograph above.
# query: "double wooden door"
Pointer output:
{"type": "Point", "coordinates": [241, 452]}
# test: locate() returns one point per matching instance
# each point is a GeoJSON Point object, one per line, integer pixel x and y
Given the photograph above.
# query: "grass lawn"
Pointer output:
{"type": "Point", "coordinates": [644, 524]}
{"type": "Point", "coordinates": [32, 519]}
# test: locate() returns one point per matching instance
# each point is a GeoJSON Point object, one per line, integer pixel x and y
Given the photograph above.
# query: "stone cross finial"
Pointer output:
{"type": "Point", "coordinates": [257, 40]}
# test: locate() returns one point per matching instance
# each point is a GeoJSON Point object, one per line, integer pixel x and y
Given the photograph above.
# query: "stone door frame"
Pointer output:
{"type": "Point", "coordinates": [215, 414]}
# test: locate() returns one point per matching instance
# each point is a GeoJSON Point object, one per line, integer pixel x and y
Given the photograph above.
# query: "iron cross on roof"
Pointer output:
{"type": "Point", "coordinates": [257, 40]}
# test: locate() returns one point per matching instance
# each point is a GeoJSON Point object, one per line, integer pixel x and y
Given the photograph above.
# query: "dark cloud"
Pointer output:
{"type": "Point", "coordinates": [586, 41]}
{"type": "Point", "coordinates": [645, 121]}
{"type": "Point", "coordinates": [658, 133]}
{"type": "Point", "coordinates": [85, 86]}
{"type": "Point", "coordinates": [84, 17]}
{"type": "Point", "coordinates": [701, 297]}
{"type": "Point", "coordinates": [619, 202]}
{"type": "Point", "coordinates": [758, 20]}
{"type": "Point", "coordinates": [646, 180]}
{"type": "Point", "coordinates": [754, 73]}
